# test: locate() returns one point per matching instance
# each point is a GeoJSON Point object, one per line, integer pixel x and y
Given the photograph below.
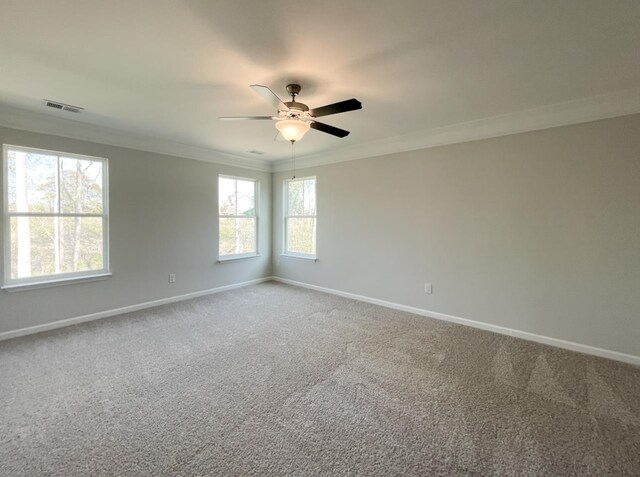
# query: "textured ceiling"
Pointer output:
{"type": "Point", "coordinates": [169, 69]}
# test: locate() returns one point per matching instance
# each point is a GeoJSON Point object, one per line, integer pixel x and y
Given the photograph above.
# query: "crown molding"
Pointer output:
{"type": "Point", "coordinates": [620, 103]}
{"type": "Point", "coordinates": [41, 123]}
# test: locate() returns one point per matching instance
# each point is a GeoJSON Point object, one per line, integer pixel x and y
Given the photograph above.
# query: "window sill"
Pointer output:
{"type": "Point", "coordinates": [238, 258]}
{"type": "Point", "coordinates": [56, 282]}
{"type": "Point", "coordinates": [308, 258]}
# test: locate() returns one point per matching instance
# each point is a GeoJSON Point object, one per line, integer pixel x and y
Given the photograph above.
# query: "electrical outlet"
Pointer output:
{"type": "Point", "coordinates": [172, 278]}
{"type": "Point", "coordinates": [428, 288]}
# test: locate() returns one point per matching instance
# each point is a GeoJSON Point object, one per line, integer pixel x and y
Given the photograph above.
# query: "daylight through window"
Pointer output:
{"type": "Point", "coordinates": [300, 217]}
{"type": "Point", "coordinates": [55, 215]}
{"type": "Point", "coordinates": [237, 209]}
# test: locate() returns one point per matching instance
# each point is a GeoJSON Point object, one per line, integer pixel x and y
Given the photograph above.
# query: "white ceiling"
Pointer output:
{"type": "Point", "coordinates": [170, 68]}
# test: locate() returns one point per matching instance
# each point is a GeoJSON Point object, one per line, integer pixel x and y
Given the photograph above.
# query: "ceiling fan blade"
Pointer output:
{"type": "Point", "coordinates": [325, 128]}
{"type": "Point", "coordinates": [335, 108]}
{"type": "Point", "coordinates": [246, 118]}
{"type": "Point", "coordinates": [270, 97]}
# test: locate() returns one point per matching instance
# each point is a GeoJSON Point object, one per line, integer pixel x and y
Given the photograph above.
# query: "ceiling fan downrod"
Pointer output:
{"type": "Point", "coordinates": [293, 90]}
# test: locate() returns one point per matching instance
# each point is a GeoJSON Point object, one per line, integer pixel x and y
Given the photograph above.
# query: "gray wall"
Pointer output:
{"type": "Point", "coordinates": [163, 219]}
{"type": "Point", "coordinates": [539, 232]}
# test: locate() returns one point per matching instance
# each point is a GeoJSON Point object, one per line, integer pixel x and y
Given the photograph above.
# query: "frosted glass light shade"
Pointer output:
{"type": "Point", "coordinates": [291, 129]}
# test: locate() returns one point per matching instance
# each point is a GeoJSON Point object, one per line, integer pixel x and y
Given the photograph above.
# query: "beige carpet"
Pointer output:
{"type": "Point", "coordinates": [277, 380]}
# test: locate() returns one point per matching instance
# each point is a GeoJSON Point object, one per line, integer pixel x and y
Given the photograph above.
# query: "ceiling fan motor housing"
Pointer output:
{"type": "Point", "coordinates": [294, 90]}
{"type": "Point", "coordinates": [296, 105]}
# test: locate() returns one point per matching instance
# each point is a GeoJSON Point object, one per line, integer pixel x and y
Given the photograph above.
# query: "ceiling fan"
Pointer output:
{"type": "Point", "coordinates": [294, 119]}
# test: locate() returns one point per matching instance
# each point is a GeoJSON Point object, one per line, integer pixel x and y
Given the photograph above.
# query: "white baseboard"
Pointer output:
{"type": "Point", "coordinates": [125, 309]}
{"type": "Point", "coordinates": [570, 345]}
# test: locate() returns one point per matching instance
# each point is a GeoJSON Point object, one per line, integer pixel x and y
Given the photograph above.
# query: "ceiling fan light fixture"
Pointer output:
{"type": "Point", "coordinates": [292, 129]}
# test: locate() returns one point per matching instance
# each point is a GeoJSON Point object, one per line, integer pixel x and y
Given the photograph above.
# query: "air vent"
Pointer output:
{"type": "Point", "coordinates": [61, 106]}
{"type": "Point", "coordinates": [257, 153]}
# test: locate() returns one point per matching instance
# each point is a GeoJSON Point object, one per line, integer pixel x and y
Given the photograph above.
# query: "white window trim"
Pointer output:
{"type": "Point", "coordinates": [286, 253]}
{"type": "Point", "coordinates": [56, 283]}
{"type": "Point", "coordinates": [306, 257]}
{"type": "Point", "coordinates": [60, 278]}
{"type": "Point", "coordinates": [236, 257]}
{"type": "Point", "coordinates": [233, 257]}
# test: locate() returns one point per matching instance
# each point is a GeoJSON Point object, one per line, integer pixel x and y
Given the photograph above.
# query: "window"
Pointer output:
{"type": "Point", "coordinates": [55, 214]}
{"type": "Point", "coordinates": [300, 217]}
{"type": "Point", "coordinates": [237, 210]}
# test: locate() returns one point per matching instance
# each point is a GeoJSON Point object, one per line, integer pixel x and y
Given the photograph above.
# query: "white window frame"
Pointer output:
{"type": "Point", "coordinates": [285, 244]}
{"type": "Point", "coordinates": [240, 256]}
{"type": "Point", "coordinates": [58, 278]}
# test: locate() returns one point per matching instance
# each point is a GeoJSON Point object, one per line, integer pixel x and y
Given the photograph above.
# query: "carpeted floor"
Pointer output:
{"type": "Point", "coordinates": [277, 380]}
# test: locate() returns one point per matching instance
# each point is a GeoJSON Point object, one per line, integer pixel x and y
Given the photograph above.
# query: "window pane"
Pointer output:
{"type": "Point", "coordinates": [295, 198]}
{"type": "Point", "coordinates": [301, 197]}
{"type": "Point", "coordinates": [246, 198]}
{"type": "Point", "coordinates": [51, 245]}
{"type": "Point", "coordinates": [80, 186]}
{"type": "Point", "coordinates": [227, 196]}
{"type": "Point", "coordinates": [32, 246]}
{"type": "Point", "coordinates": [237, 235]}
{"type": "Point", "coordinates": [80, 244]}
{"type": "Point", "coordinates": [31, 180]}
{"type": "Point", "coordinates": [309, 197]}
{"type": "Point", "coordinates": [301, 235]}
